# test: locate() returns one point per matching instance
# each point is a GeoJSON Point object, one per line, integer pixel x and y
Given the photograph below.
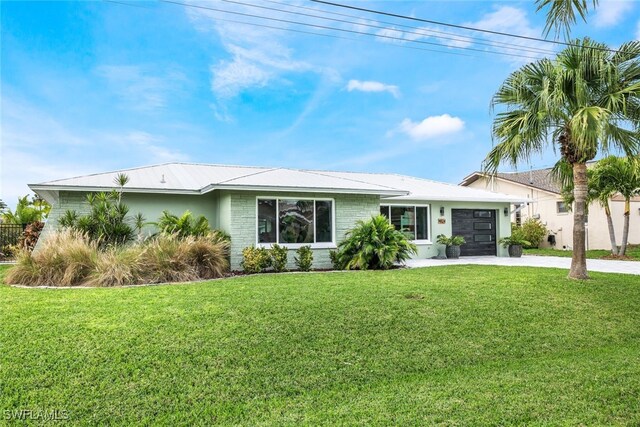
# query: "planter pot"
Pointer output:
{"type": "Point", "coordinates": [515, 251]}
{"type": "Point", "coordinates": [453, 251]}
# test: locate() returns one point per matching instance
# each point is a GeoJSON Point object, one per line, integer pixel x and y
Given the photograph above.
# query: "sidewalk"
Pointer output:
{"type": "Point", "coordinates": [601, 265]}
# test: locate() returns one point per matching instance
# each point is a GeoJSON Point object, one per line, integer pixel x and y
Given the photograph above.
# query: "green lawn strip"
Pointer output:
{"type": "Point", "coordinates": [400, 345]}
{"type": "Point", "coordinates": [633, 253]}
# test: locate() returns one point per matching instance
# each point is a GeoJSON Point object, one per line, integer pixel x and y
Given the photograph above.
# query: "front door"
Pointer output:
{"type": "Point", "coordinates": [478, 227]}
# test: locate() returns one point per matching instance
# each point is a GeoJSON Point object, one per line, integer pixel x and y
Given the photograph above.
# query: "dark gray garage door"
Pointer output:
{"type": "Point", "coordinates": [478, 227]}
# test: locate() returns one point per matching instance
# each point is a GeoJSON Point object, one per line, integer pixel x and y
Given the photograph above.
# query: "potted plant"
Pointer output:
{"type": "Point", "coordinates": [452, 244]}
{"type": "Point", "coordinates": [515, 242]}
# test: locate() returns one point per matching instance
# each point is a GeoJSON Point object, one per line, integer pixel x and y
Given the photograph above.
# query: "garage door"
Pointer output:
{"type": "Point", "coordinates": [478, 227]}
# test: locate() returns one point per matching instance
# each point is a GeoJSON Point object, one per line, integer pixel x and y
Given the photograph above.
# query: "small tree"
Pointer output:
{"type": "Point", "coordinates": [107, 221]}
{"type": "Point", "coordinates": [533, 231]}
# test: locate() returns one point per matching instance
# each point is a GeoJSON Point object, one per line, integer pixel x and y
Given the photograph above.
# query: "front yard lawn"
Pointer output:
{"type": "Point", "coordinates": [459, 345]}
{"type": "Point", "coordinates": [633, 253]}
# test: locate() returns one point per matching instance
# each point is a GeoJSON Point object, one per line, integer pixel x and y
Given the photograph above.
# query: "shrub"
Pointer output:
{"type": "Point", "coordinates": [374, 244]}
{"type": "Point", "coordinates": [31, 235]}
{"type": "Point", "coordinates": [185, 225]}
{"type": "Point", "coordinates": [279, 258]}
{"type": "Point", "coordinates": [255, 260]}
{"type": "Point", "coordinates": [335, 260]}
{"type": "Point", "coordinates": [304, 258]}
{"type": "Point", "coordinates": [533, 231]}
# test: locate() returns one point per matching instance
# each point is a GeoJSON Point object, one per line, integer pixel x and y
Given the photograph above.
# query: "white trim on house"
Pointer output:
{"type": "Point", "coordinates": [314, 245]}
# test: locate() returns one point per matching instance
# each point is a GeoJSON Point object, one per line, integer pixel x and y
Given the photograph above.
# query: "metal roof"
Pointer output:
{"type": "Point", "coordinates": [189, 178]}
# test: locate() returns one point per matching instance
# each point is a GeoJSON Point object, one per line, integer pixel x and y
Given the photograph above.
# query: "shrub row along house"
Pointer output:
{"type": "Point", "coordinates": [292, 207]}
{"type": "Point", "coordinates": [545, 202]}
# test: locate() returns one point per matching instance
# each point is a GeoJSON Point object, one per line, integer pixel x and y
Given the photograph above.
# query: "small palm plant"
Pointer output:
{"type": "Point", "coordinates": [185, 225]}
{"type": "Point", "coordinates": [373, 244]}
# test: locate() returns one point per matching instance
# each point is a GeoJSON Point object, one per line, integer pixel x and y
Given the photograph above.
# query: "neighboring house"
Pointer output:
{"type": "Point", "coordinates": [261, 206]}
{"type": "Point", "coordinates": [544, 201]}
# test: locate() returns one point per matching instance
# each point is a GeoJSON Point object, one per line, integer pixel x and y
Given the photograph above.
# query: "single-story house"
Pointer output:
{"type": "Point", "coordinates": [294, 207]}
{"type": "Point", "coordinates": [545, 202]}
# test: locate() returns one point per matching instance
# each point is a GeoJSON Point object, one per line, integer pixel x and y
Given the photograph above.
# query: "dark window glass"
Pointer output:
{"type": "Point", "coordinates": [296, 221]}
{"type": "Point", "coordinates": [482, 226]}
{"type": "Point", "coordinates": [384, 210]}
{"type": "Point", "coordinates": [403, 219]}
{"type": "Point", "coordinates": [518, 218]}
{"type": "Point", "coordinates": [267, 221]}
{"type": "Point", "coordinates": [422, 223]}
{"type": "Point", "coordinates": [482, 214]}
{"type": "Point", "coordinates": [562, 207]}
{"type": "Point", "coordinates": [482, 237]}
{"type": "Point", "coordinates": [324, 226]}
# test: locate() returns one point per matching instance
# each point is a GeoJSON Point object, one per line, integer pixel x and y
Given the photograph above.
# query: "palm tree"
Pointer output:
{"type": "Point", "coordinates": [585, 101]}
{"type": "Point", "coordinates": [624, 177]}
{"type": "Point", "coordinates": [602, 188]}
{"type": "Point", "coordinates": [561, 14]}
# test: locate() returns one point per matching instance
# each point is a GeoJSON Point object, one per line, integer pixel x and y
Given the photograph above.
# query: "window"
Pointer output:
{"type": "Point", "coordinates": [412, 221]}
{"type": "Point", "coordinates": [295, 221]}
{"type": "Point", "coordinates": [518, 217]}
{"type": "Point", "coordinates": [482, 214]}
{"type": "Point", "coordinates": [561, 207]}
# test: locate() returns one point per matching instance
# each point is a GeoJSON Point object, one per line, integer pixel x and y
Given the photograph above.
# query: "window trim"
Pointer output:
{"type": "Point", "coordinates": [314, 245]}
{"type": "Point", "coordinates": [414, 206]}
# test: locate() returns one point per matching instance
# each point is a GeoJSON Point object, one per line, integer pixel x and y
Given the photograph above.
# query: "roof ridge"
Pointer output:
{"type": "Point", "coordinates": [245, 176]}
{"type": "Point", "coordinates": [315, 172]}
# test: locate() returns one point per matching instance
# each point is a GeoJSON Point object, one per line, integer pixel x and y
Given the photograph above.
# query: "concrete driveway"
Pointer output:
{"type": "Point", "coordinates": [601, 265]}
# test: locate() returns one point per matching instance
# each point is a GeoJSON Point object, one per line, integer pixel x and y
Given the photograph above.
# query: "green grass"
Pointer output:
{"type": "Point", "coordinates": [633, 253]}
{"type": "Point", "coordinates": [459, 345]}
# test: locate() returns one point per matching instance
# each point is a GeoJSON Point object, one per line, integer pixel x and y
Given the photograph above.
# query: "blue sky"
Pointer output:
{"type": "Point", "coordinates": [96, 86]}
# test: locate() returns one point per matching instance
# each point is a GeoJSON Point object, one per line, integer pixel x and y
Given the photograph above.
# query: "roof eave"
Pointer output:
{"type": "Point", "coordinates": [45, 187]}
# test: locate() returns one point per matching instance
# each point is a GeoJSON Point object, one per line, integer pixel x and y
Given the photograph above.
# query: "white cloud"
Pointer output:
{"type": "Point", "coordinates": [509, 19]}
{"type": "Point", "coordinates": [259, 56]}
{"type": "Point", "coordinates": [152, 146]}
{"type": "Point", "coordinates": [372, 86]}
{"type": "Point", "coordinates": [431, 127]}
{"type": "Point", "coordinates": [611, 12]}
{"type": "Point", "coordinates": [140, 88]}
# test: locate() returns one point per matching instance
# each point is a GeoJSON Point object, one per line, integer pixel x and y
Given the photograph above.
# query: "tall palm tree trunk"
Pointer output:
{"type": "Point", "coordinates": [612, 232]}
{"type": "Point", "coordinates": [625, 227]}
{"type": "Point", "coordinates": [579, 258]}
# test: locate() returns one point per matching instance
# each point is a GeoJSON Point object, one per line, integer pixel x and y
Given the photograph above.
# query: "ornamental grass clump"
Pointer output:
{"type": "Point", "coordinates": [71, 258]}
{"type": "Point", "coordinates": [66, 258]}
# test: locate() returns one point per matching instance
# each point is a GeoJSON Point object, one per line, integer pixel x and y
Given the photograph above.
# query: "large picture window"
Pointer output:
{"type": "Point", "coordinates": [295, 221]}
{"type": "Point", "coordinates": [412, 221]}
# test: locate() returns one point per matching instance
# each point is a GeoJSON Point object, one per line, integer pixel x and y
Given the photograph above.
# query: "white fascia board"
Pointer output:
{"type": "Point", "coordinates": [461, 199]}
{"type": "Point", "coordinates": [39, 187]}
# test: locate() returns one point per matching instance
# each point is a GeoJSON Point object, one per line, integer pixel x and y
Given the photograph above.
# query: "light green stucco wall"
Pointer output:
{"type": "Point", "coordinates": [348, 209]}
{"type": "Point", "coordinates": [503, 224]}
{"type": "Point", "coordinates": [235, 212]}
{"type": "Point", "coordinates": [149, 205]}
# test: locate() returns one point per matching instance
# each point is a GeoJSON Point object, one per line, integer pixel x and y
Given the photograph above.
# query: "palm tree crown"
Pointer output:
{"type": "Point", "coordinates": [585, 100]}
